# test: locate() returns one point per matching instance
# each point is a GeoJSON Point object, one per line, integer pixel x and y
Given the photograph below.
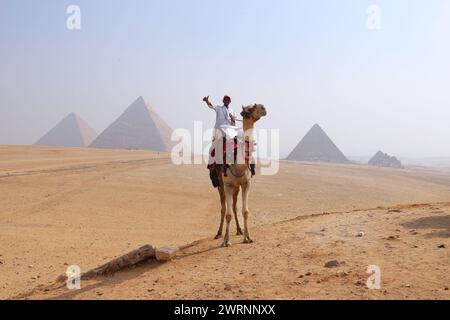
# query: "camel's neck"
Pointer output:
{"type": "Point", "coordinates": [247, 124]}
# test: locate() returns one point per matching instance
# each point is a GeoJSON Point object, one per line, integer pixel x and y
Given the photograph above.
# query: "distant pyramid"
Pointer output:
{"type": "Point", "coordinates": [317, 146]}
{"type": "Point", "coordinates": [381, 159]}
{"type": "Point", "coordinates": [72, 131]}
{"type": "Point", "coordinates": [139, 127]}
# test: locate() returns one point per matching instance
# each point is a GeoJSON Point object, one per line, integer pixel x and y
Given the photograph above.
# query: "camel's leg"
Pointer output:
{"type": "Point", "coordinates": [235, 197]}
{"type": "Point", "coordinates": [222, 212]}
{"type": "Point", "coordinates": [245, 193]}
{"type": "Point", "coordinates": [229, 201]}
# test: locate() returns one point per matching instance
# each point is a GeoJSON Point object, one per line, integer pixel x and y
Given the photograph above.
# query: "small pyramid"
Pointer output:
{"type": "Point", "coordinates": [72, 131]}
{"type": "Point", "coordinates": [316, 146]}
{"type": "Point", "coordinates": [139, 127]}
{"type": "Point", "coordinates": [381, 159]}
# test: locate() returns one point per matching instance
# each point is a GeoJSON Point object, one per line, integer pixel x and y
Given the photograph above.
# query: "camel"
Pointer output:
{"type": "Point", "coordinates": [238, 177]}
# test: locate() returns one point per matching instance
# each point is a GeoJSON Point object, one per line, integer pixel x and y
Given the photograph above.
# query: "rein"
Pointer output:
{"type": "Point", "coordinates": [242, 175]}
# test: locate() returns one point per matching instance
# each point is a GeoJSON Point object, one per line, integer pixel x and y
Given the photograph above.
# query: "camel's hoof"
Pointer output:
{"type": "Point", "coordinates": [218, 236]}
{"type": "Point", "coordinates": [239, 232]}
{"type": "Point", "coordinates": [226, 244]}
{"type": "Point", "coordinates": [248, 240]}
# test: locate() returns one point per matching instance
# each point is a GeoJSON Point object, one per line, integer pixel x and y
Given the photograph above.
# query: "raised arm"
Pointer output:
{"type": "Point", "coordinates": [206, 100]}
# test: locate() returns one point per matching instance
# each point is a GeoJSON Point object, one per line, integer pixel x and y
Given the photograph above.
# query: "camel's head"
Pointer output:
{"type": "Point", "coordinates": [254, 112]}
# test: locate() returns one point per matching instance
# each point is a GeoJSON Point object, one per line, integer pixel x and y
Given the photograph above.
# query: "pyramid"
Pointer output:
{"type": "Point", "coordinates": [72, 131]}
{"type": "Point", "coordinates": [139, 127]}
{"type": "Point", "coordinates": [381, 159]}
{"type": "Point", "coordinates": [316, 146]}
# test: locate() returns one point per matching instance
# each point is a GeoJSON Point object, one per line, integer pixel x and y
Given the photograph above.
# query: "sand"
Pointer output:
{"type": "Point", "coordinates": [86, 206]}
{"type": "Point", "coordinates": [287, 261]}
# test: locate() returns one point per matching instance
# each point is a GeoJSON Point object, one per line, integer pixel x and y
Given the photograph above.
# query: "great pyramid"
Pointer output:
{"type": "Point", "coordinates": [139, 127]}
{"type": "Point", "coordinates": [72, 131]}
{"type": "Point", "coordinates": [316, 146]}
{"type": "Point", "coordinates": [381, 159]}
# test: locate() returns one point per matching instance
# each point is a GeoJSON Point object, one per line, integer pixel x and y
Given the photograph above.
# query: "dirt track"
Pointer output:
{"type": "Point", "coordinates": [86, 206]}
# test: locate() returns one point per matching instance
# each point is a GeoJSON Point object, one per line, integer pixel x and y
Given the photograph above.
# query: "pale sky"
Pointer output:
{"type": "Point", "coordinates": [307, 61]}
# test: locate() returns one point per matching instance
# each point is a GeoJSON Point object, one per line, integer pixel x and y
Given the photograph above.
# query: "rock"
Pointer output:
{"type": "Point", "coordinates": [442, 246]}
{"type": "Point", "coordinates": [360, 234]}
{"type": "Point", "coordinates": [341, 274]}
{"type": "Point", "coordinates": [332, 264]}
{"type": "Point", "coordinates": [30, 266]}
{"type": "Point", "coordinates": [359, 283]}
{"type": "Point", "coordinates": [446, 288]}
{"type": "Point", "coordinates": [393, 237]}
{"type": "Point", "coordinates": [144, 253]}
{"type": "Point", "coordinates": [165, 253]}
{"type": "Point", "coordinates": [309, 273]}
{"type": "Point", "coordinates": [227, 287]}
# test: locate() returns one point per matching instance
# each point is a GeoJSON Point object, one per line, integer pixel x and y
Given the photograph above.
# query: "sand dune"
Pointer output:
{"type": "Point", "coordinates": [85, 206]}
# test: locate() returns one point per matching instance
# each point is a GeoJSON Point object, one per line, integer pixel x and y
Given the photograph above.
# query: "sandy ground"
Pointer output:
{"type": "Point", "coordinates": [85, 206]}
{"type": "Point", "coordinates": [409, 244]}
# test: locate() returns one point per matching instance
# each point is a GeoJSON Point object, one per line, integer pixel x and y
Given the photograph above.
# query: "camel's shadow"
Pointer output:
{"type": "Point", "coordinates": [440, 224]}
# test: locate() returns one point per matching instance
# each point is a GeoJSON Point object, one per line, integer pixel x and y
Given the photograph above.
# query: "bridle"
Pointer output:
{"type": "Point", "coordinates": [249, 114]}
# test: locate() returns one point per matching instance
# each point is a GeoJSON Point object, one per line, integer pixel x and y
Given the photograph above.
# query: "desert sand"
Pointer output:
{"type": "Point", "coordinates": [64, 206]}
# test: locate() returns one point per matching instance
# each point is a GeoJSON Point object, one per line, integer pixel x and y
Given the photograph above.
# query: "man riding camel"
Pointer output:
{"type": "Point", "coordinates": [225, 127]}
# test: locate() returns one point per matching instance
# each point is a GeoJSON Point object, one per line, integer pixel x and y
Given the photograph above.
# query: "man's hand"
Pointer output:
{"type": "Point", "coordinates": [233, 120]}
{"type": "Point", "coordinates": [206, 99]}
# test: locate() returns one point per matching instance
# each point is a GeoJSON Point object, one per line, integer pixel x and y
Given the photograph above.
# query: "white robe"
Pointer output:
{"type": "Point", "coordinates": [223, 121]}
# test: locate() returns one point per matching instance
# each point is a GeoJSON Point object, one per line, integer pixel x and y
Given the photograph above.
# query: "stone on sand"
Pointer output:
{"type": "Point", "coordinates": [332, 264]}
{"type": "Point", "coordinates": [165, 253]}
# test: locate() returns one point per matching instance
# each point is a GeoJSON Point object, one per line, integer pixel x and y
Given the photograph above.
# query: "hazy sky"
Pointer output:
{"type": "Point", "coordinates": [307, 61]}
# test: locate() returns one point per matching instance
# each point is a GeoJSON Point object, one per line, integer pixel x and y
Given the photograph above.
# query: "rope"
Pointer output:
{"type": "Point", "coordinates": [245, 172]}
